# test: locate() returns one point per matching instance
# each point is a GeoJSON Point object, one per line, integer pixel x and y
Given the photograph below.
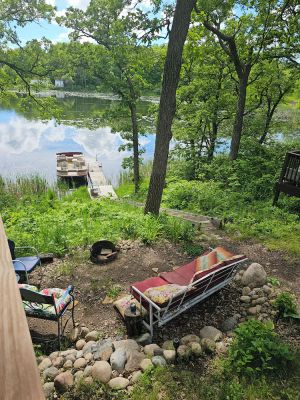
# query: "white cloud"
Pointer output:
{"type": "Point", "coordinates": [78, 3]}
{"type": "Point", "coordinates": [51, 2]}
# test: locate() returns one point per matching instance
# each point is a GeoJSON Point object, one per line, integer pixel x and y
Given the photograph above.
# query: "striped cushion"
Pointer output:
{"type": "Point", "coordinates": [206, 262]}
{"type": "Point", "coordinates": [223, 254]}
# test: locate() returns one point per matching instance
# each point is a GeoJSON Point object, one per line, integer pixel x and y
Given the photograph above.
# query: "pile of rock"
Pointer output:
{"type": "Point", "coordinates": [256, 294]}
{"type": "Point", "coordinates": [126, 245]}
{"type": "Point", "coordinates": [119, 363]}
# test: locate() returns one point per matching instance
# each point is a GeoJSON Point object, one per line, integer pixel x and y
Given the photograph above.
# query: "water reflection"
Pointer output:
{"type": "Point", "coordinates": [29, 146]}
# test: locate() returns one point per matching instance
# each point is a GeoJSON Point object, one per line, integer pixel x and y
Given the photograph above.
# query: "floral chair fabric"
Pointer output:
{"type": "Point", "coordinates": [62, 298]}
{"type": "Point", "coordinates": [162, 294]}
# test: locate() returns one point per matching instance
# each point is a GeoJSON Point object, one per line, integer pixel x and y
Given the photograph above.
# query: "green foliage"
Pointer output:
{"type": "Point", "coordinates": [193, 249]}
{"type": "Point", "coordinates": [257, 349]}
{"type": "Point", "coordinates": [273, 280]}
{"type": "Point", "coordinates": [286, 304]}
{"type": "Point", "coordinates": [56, 225]}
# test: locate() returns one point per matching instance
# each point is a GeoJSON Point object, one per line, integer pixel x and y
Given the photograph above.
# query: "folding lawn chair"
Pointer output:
{"type": "Point", "coordinates": [49, 304]}
{"type": "Point", "coordinates": [170, 294]}
{"type": "Point", "coordinates": [23, 265]}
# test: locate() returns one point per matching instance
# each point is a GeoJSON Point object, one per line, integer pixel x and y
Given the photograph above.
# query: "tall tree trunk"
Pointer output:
{"type": "Point", "coordinates": [213, 139]}
{"type": "Point", "coordinates": [135, 145]}
{"type": "Point", "coordinates": [167, 106]}
{"type": "Point", "coordinates": [239, 116]}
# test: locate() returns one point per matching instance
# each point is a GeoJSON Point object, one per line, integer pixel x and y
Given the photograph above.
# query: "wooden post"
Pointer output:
{"type": "Point", "coordinates": [19, 376]}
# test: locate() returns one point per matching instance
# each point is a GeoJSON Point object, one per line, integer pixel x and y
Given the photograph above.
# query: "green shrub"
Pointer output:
{"type": "Point", "coordinates": [286, 304]}
{"type": "Point", "coordinates": [257, 349]}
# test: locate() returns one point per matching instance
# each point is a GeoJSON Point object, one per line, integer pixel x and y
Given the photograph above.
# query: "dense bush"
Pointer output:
{"type": "Point", "coordinates": [56, 225]}
{"type": "Point", "coordinates": [286, 304]}
{"type": "Point", "coordinates": [257, 349]}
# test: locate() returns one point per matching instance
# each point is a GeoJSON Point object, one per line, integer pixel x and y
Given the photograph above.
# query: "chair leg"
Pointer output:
{"type": "Point", "coordinates": [73, 307]}
{"type": "Point", "coordinates": [59, 332]}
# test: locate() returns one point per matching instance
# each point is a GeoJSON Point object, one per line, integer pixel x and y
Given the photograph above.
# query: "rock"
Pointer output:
{"type": "Point", "coordinates": [246, 290]}
{"type": "Point", "coordinates": [158, 352]}
{"type": "Point", "coordinates": [88, 380]}
{"type": "Point", "coordinates": [221, 347]}
{"type": "Point", "coordinates": [159, 361]}
{"type": "Point", "coordinates": [102, 350]}
{"type": "Point", "coordinates": [210, 332]}
{"type": "Point", "coordinates": [208, 345]}
{"type": "Point", "coordinates": [146, 364]}
{"type": "Point", "coordinates": [78, 375]}
{"type": "Point", "coordinates": [87, 348]}
{"type": "Point", "coordinates": [58, 362]}
{"type": "Point", "coordinates": [71, 357]}
{"type": "Point", "coordinates": [80, 344]}
{"type": "Point", "coordinates": [79, 363]}
{"type": "Point", "coordinates": [127, 345]}
{"type": "Point", "coordinates": [74, 334]}
{"type": "Point", "coordinates": [101, 371]}
{"type": "Point", "coordinates": [50, 373]}
{"type": "Point", "coordinates": [267, 289]}
{"type": "Point", "coordinates": [229, 324]}
{"type": "Point", "coordinates": [184, 352]}
{"type": "Point", "coordinates": [88, 357]}
{"type": "Point", "coordinates": [260, 300]}
{"type": "Point", "coordinates": [68, 364]}
{"type": "Point", "coordinates": [149, 349]}
{"type": "Point", "coordinates": [144, 339]}
{"type": "Point", "coordinates": [134, 359]}
{"type": "Point", "coordinates": [54, 355]}
{"type": "Point", "coordinates": [84, 331]}
{"type": "Point", "coordinates": [168, 345]}
{"type": "Point", "coordinates": [136, 376]}
{"type": "Point", "coordinates": [195, 348]}
{"type": "Point", "coordinates": [63, 382]}
{"type": "Point", "coordinates": [46, 363]}
{"type": "Point", "coordinates": [118, 360]}
{"type": "Point", "coordinates": [254, 276]}
{"type": "Point", "coordinates": [87, 371]}
{"type": "Point", "coordinates": [252, 310]}
{"type": "Point", "coordinates": [169, 356]}
{"type": "Point", "coordinates": [118, 383]}
{"type": "Point", "coordinates": [190, 338]}
{"type": "Point", "coordinates": [93, 335]}
{"type": "Point", "coordinates": [79, 354]}
{"type": "Point", "coordinates": [48, 389]}
{"type": "Point", "coordinates": [245, 299]}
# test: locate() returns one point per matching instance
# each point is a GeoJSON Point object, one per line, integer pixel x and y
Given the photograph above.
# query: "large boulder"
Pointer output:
{"type": "Point", "coordinates": [149, 349]}
{"type": "Point", "coordinates": [254, 276]}
{"type": "Point", "coordinates": [159, 361]}
{"type": "Point", "coordinates": [118, 360]}
{"type": "Point", "coordinates": [48, 389]}
{"type": "Point", "coordinates": [46, 363]}
{"type": "Point", "coordinates": [92, 336]}
{"type": "Point", "coordinates": [50, 373]}
{"type": "Point", "coordinates": [101, 371]}
{"type": "Point", "coordinates": [134, 359]}
{"type": "Point", "coordinates": [190, 338]}
{"type": "Point", "coordinates": [102, 350]}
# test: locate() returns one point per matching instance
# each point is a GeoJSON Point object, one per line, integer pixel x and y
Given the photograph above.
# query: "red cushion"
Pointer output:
{"type": "Point", "coordinates": [182, 275]}
{"type": "Point", "coordinates": [142, 286]}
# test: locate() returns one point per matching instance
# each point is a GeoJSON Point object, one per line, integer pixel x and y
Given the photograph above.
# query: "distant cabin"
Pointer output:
{"type": "Point", "coordinates": [59, 83]}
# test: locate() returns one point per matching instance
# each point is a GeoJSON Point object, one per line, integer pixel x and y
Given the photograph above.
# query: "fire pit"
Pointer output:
{"type": "Point", "coordinates": [103, 252]}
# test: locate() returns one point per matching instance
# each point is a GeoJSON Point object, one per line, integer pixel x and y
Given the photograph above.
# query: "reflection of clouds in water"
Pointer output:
{"type": "Point", "coordinates": [18, 135]}
{"type": "Point", "coordinates": [100, 142]}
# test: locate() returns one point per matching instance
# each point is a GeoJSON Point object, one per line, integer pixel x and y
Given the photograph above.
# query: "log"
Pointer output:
{"type": "Point", "coordinates": [19, 376]}
{"type": "Point", "coordinates": [133, 322]}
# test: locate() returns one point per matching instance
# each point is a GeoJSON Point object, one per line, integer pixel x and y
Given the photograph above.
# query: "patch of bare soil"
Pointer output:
{"type": "Point", "coordinates": [95, 283]}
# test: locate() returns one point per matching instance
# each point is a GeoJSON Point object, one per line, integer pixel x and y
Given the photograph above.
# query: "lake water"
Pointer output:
{"type": "Point", "coordinates": [28, 145]}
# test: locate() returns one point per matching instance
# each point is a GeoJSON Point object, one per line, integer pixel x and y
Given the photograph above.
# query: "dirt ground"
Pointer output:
{"type": "Point", "coordinates": [93, 283]}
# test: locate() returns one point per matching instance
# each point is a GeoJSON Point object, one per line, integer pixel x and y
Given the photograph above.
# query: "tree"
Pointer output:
{"type": "Point", "coordinates": [205, 97]}
{"type": "Point", "coordinates": [25, 62]}
{"type": "Point", "coordinates": [249, 32]}
{"type": "Point", "coordinates": [125, 69]}
{"type": "Point", "coordinates": [167, 106]}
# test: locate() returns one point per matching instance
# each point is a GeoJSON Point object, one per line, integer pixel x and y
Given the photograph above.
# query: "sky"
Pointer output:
{"type": "Point", "coordinates": [53, 31]}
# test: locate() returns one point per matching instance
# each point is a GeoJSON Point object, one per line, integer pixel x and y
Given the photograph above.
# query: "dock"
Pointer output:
{"type": "Point", "coordinates": [97, 183]}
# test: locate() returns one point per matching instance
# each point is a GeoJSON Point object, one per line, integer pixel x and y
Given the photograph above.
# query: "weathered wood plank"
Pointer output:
{"type": "Point", "coordinates": [19, 377]}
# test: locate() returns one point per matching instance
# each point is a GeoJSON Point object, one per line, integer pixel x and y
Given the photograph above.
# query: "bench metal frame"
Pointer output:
{"type": "Point", "coordinates": [191, 295]}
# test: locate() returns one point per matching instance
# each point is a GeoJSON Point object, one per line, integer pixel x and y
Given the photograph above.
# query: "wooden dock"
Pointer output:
{"type": "Point", "coordinates": [97, 183]}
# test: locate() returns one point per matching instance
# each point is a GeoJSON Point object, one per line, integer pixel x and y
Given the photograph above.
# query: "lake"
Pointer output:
{"type": "Point", "coordinates": [28, 145]}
